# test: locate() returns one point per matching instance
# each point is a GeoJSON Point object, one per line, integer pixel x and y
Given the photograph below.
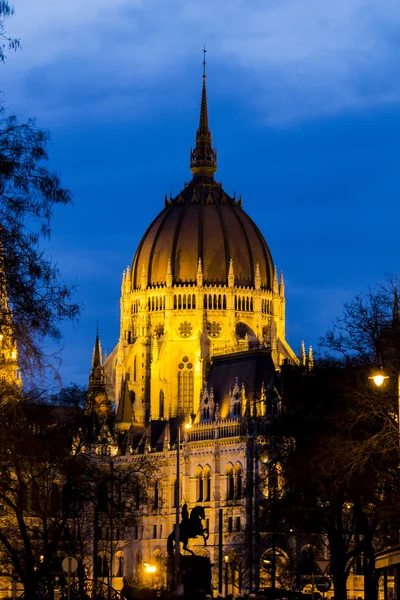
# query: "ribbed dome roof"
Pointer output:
{"type": "Point", "coordinates": [203, 222]}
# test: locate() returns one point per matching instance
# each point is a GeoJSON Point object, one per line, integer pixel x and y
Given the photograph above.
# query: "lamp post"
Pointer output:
{"type": "Point", "coordinates": [226, 559]}
{"type": "Point", "coordinates": [177, 505]}
{"type": "Point", "coordinates": [378, 378]}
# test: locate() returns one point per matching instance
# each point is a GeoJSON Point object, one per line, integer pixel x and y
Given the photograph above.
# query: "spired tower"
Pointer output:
{"type": "Point", "coordinates": [202, 284]}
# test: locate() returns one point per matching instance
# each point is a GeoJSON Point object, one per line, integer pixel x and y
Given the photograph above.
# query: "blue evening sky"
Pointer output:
{"type": "Point", "coordinates": [304, 104]}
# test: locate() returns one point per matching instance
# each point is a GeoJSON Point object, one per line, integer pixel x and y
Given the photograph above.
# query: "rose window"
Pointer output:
{"type": "Point", "coordinates": [185, 329]}
{"type": "Point", "coordinates": [214, 329]}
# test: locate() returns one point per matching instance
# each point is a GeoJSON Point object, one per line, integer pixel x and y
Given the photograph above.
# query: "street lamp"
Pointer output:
{"type": "Point", "coordinates": [226, 559]}
{"type": "Point", "coordinates": [150, 570]}
{"type": "Point", "coordinates": [378, 378]}
{"type": "Point", "coordinates": [188, 425]}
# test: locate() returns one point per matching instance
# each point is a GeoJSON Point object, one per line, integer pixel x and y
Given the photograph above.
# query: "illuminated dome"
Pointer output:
{"type": "Point", "coordinates": [202, 222]}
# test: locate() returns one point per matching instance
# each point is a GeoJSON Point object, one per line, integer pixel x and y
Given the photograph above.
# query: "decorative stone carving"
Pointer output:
{"type": "Point", "coordinates": [185, 329]}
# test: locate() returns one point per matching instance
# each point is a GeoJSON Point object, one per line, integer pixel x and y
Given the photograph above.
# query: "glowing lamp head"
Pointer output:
{"type": "Point", "coordinates": [149, 568]}
{"type": "Point", "coordinates": [226, 558]}
{"type": "Point", "coordinates": [188, 425]}
{"type": "Point", "coordinates": [378, 380]}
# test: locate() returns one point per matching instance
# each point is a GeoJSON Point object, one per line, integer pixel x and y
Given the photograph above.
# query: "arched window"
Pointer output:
{"type": "Point", "coordinates": [134, 369]}
{"type": "Point", "coordinates": [219, 302]}
{"type": "Point", "coordinates": [120, 565]}
{"type": "Point", "coordinates": [238, 481]}
{"type": "Point", "coordinates": [193, 301]}
{"type": "Point", "coordinates": [307, 560]}
{"type": "Point", "coordinates": [179, 302]}
{"type": "Point", "coordinates": [199, 484]}
{"type": "Point", "coordinates": [207, 484]}
{"type": "Point", "coordinates": [224, 302]}
{"type": "Point", "coordinates": [185, 388]}
{"type": "Point", "coordinates": [184, 301]}
{"type": "Point", "coordinates": [189, 301]}
{"type": "Point", "coordinates": [175, 305]}
{"type": "Point", "coordinates": [235, 302]}
{"type": "Point", "coordinates": [230, 483]}
{"type": "Point", "coordinates": [161, 405]}
{"type": "Point", "coordinates": [273, 564]}
{"type": "Point", "coordinates": [205, 301]}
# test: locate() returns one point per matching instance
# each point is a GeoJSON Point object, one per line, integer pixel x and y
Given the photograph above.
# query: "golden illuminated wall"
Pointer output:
{"type": "Point", "coordinates": [168, 335]}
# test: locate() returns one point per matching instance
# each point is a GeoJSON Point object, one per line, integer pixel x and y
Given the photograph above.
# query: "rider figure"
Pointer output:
{"type": "Point", "coordinates": [185, 523]}
{"type": "Point", "coordinates": [185, 514]}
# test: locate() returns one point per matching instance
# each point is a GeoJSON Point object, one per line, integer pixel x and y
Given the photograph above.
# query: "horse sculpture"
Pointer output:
{"type": "Point", "coordinates": [189, 528]}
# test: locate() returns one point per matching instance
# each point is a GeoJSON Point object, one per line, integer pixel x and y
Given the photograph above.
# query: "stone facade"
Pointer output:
{"type": "Point", "coordinates": [202, 334]}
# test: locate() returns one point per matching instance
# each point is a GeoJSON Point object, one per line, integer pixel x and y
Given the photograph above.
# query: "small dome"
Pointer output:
{"type": "Point", "coordinates": [203, 222]}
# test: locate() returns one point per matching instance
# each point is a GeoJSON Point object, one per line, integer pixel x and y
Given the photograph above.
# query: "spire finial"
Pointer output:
{"type": "Point", "coordinates": [303, 357]}
{"type": "Point", "coordinates": [203, 159]}
{"type": "Point", "coordinates": [96, 374]}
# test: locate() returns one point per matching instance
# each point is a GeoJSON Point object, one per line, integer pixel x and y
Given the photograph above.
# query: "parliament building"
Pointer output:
{"type": "Point", "coordinates": [202, 338]}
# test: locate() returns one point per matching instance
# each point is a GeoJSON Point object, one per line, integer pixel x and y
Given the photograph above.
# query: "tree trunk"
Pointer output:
{"type": "Point", "coordinates": [339, 581]}
{"type": "Point", "coordinates": [371, 578]}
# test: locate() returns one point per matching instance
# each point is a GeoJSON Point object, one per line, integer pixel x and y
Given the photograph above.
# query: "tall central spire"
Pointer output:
{"type": "Point", "coordinates": [203, 159]}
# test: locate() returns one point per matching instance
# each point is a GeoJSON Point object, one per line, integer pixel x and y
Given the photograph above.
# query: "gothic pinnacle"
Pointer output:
{"type": "Point", "coordinates": [199, 273]}
{"type": "Point", "coordinates": [96, 362]}
{"type": "Point", "coordinates": [143, 282]}
{"type": "Point", "coordinates": [275, 287]}
{"type": "Point", "coordinates": [231, 275]}
{"type": "Point", "coordinates": [169, 274]}
{"type": "Point", "coordinates": [281, 285]}
{"type": "Point", "coordinates": [303, 358]}
{"type": "Point", "coordinates": [310, 359]}
{"type": "Point", "coordinates": [203, 159]}
{"type": "Point", "coordinates": [257, 277]}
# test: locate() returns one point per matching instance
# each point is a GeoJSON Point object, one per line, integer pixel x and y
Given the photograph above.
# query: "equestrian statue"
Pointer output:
{"type": "Point", "coordinates": [189, 528]}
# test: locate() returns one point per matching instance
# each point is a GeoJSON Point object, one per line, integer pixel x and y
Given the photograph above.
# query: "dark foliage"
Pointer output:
{"type": "Point", "coordinates": [38, 299]}
{"type": "Point", "coordinates": [6, 11]}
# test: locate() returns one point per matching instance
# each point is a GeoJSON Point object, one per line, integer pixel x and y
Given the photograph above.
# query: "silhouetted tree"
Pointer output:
{"type": "Point", "coordinates": [6, 11]}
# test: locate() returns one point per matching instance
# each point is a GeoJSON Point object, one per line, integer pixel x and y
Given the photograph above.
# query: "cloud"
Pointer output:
{"type": "Point", "coordinates": [291, 59]}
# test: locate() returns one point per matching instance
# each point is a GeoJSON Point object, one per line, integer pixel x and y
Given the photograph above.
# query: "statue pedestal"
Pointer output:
{"type": "Point", "coordinates": [195, 574]}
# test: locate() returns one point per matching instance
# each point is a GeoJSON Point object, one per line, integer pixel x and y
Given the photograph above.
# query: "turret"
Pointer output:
{"type": "Point", "coordinates": [97, 400]}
